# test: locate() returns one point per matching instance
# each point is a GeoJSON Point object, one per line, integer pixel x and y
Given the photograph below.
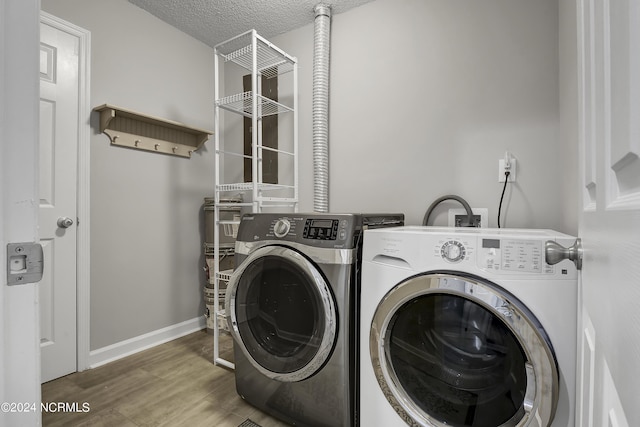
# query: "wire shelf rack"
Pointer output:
{"type": "Point", "coordinates": [252, 52]}
{"type": "Point", "coordinates": [270, 60]}
{"type": "Point", "coordinates": [248, 186]}
{"type": "Point", "coordinates": [243, 103]}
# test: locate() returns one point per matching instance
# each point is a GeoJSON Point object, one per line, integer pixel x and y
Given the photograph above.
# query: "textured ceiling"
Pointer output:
{"type": "Point", "coordinates": [214, 21]}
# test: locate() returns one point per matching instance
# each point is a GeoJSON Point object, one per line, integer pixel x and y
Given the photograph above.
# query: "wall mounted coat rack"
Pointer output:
{"type": "Point", "coordinates": [134, 130]}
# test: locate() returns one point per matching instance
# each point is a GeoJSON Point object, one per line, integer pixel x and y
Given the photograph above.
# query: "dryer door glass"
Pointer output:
{"type": "Point", "coordinates": [284, 314]}
{"type": "Point", "coordinates": [456, 350]}
{"type": "Point", "coordinates": [458, 361]}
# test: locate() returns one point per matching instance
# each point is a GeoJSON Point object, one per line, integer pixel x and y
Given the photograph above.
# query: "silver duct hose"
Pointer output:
{"type": "Point", "coordinates": [321, 41]}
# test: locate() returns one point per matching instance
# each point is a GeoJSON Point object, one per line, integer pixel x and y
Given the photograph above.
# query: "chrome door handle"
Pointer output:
{"type": "Point", "coordinates": [554, 253]}
{"type": "Point", "coordinates": [65, 222]}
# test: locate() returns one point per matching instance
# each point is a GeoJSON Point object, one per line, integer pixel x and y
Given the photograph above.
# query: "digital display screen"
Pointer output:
{"type": "Point", "coordinates": [322, 223]}
{"type": "Point", "coordinates": [491, 243]}
{"type": "Point", "coordinates": [321, 229]}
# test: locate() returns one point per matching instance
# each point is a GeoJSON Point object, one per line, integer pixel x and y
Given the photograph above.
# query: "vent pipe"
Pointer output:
{"type": "Point", "coordinates": [321, 42]}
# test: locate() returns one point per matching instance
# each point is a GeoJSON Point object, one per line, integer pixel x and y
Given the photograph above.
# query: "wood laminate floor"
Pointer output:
{"type": "Point", "coordinates": [173, 384]}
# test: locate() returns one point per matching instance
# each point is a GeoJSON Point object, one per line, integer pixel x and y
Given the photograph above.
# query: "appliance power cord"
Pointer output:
{"type": "Point", "coordinates": [506, 180]}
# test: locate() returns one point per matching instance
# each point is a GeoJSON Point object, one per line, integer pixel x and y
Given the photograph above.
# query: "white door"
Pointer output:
{"type": "Point", "coordinates": [58, 216]}
{"type": "Point", "coordinates": [609, 134]}
{"type": "Point", "coordinates": [19, 358]}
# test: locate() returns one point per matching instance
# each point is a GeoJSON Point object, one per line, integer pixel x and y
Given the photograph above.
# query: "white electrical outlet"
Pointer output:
{"type": "Point", "coordinates": [502, 169]}
{"type": "Point", "coordinates": [461, 215]}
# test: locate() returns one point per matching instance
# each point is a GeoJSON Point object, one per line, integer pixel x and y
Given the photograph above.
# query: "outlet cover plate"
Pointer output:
{"type": "Point", "coordinates": [501, 171]}
{"type": "Point", "coordinates": [483, 212]}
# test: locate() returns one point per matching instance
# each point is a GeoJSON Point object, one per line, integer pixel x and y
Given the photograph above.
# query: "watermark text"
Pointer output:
{"type": "Point", "coordinates": [23, 407]}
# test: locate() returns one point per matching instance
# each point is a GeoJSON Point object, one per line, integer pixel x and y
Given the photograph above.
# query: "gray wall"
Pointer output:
{"type": "Point", "coordinates": [146, 220]}
{"type": "Point", "coordinates": [426, 96]}
{"type": "Point", "coordinates": [568, 77]}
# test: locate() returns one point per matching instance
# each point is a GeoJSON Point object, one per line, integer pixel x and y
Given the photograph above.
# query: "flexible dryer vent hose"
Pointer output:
{"type": "Point", "coordinates": [321, 108]}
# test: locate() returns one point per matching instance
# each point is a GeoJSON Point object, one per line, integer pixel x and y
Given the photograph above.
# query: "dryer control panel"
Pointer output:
{"type": "Point", "coordinates": [513, 255]}
{"type": "Point", "coordinates": [504, 253]}
{"type": "Point", "coordinates": [495, 254]}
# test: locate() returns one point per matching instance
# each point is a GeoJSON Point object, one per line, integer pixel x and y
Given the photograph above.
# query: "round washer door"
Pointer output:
{"type": "Point", "coordinates": [281, 313]}
{"type": "Point", "coordinates": [449, 349]}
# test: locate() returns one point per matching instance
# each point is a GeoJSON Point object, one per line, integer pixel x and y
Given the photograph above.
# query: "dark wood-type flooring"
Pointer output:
{"type": "Point", "coordinates": [173, 384]}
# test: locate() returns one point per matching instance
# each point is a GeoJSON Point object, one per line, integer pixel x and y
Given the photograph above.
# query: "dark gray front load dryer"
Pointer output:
{"type": "Point", "coordinates": [291, 305]}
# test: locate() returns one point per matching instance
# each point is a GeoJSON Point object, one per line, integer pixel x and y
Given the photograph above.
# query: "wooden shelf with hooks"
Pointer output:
{"type": "Point", "coordinates": [130, 129]}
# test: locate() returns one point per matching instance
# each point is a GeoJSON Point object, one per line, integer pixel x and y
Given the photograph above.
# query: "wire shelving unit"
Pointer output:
{"type": "Point", "coordinates": [253, 54]}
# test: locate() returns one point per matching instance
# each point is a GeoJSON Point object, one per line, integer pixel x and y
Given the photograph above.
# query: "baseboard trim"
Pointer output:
{"type": "Point", "coordinates": [137, 344]}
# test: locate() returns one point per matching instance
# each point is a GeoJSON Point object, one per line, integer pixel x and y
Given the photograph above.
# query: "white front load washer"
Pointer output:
{"type": "Point", "coordinates": [466, 327]}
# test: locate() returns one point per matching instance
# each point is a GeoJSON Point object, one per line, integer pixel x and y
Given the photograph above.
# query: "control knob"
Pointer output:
{"type": "Point", "coordinates": [453, 251]}
{"type": "Point", "coordinates": [281, 227]}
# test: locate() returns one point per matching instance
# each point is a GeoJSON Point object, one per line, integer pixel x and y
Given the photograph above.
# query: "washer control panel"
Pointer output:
{"type": "Point", "coordinates": [332, 231]}
{"type": "Point", "coordinates": [321, 229]}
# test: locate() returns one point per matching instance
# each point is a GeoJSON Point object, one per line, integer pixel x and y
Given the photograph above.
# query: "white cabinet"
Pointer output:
{"type": "Point", "coordinates": [256, 138]}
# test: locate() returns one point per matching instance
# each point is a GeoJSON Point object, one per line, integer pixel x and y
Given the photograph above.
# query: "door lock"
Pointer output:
{"type": "Point", "coordinates": [25, 263]}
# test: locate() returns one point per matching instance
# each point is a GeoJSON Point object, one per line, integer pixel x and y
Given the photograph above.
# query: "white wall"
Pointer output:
{"type": "Point", "coordinates": [426, 96]}
{"type": "Point", "coordinates": [146, 217]}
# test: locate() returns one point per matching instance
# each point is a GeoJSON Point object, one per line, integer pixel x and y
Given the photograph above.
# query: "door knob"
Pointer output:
{"type": "Point", "coordinates": [65, 222]}
{"type": "Point", "coordinates": [554, 253]}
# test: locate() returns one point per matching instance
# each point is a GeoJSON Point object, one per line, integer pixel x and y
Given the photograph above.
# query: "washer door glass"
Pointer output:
{"type": "Point", "coordinates": [460, 354]}
{"type": "Point", "coordinates": [283, 314]}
